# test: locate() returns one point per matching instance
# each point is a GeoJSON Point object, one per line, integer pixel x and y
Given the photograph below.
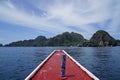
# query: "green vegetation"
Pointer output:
{"type": "Point", "coordinates": [102, 38]}
{"type": "Point", "coordinates": [99, 39]}
{"type": "Point", "coordinates": [39, 41]}
{"type": "Point", "coordinates": [118, 42]}
{"type": "Point", "coordinates": [65, 39]}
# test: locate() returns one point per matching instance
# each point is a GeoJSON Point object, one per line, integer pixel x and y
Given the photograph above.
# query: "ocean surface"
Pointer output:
{"type": "Point", "coordinates": [16, 63]}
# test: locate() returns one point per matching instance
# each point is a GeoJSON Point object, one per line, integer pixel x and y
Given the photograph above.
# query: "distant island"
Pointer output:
{"type": "Point", "coordinates": [100, 38]}
{"type": "Point", "coordinates": [1, 45]}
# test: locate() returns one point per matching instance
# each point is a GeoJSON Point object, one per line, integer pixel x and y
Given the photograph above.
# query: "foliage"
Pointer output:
{"type": "Point", "coordinates": [118, 42]}
{"type": "Point", "coordinates": [39, 41]}
{"type": "Point", "coordinates": [66, 39]}
{"type": "Point", "coordinates": [100, 38]}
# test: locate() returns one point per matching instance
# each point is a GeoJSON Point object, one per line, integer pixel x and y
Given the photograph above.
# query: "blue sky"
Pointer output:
{"type": "Point", "coordinates": [26, 19]}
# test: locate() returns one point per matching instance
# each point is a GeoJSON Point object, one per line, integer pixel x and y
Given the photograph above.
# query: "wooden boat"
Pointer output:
{"type": "Point", "coordinates": [52, 68]}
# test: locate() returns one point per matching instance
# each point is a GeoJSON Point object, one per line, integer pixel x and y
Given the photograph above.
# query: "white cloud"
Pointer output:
{"type": "Point", "coordinates": [19, 17]}
{"type": "Point", "coordinates": [115, 24]}
{"type": "Point", "coordinates": [58, 15]}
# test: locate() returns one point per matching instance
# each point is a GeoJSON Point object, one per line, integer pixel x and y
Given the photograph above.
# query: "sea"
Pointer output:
{"type": "Point", "coordinates": [16, 63]}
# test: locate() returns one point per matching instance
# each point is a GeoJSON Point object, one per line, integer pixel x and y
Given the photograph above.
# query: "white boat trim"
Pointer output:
{"type": "Point", "coordinates": [38, 67]}
{"type": "Point", "coordinates": [83, 68]}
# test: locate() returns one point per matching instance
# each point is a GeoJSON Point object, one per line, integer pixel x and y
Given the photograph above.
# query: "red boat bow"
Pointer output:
{"type": "Point", "coordinates": [50, 69]}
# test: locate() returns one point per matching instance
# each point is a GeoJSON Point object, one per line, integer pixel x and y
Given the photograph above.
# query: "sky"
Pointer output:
{"type": "Point", "coordinates": [27, 19]}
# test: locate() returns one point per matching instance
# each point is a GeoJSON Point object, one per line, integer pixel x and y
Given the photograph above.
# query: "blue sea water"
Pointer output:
{"type": "Point", "coordinates": [16, 63]}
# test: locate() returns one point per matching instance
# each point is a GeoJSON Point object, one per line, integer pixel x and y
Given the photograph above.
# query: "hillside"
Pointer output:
{"type": "Point", "coordinates": [64, 39]}
{"type": "Point", "coordinates": [101, 38]}
{"type": "Point", "coordinates": [39, 41]}
{"type": "Point", "coordinates": [1, 45]}
{"type": "Point", "coordinates": [118, 42]}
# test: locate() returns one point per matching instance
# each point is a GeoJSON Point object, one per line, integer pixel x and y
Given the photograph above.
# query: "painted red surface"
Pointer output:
{"type": "Point", "coordinates": [51, 70]}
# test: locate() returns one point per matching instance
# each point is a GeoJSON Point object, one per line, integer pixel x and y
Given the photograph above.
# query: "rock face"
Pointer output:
{"type": "Point", "coordinates": [102, 38]}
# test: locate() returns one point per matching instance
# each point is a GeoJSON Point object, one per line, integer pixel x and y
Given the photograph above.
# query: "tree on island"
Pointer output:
{"type": "Point", "coordinates": [100, 38]}
{"type": "Point", "coordinates": [103, 38]}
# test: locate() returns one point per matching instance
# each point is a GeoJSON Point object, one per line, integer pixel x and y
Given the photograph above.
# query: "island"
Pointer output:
{"type": "Point", "coordinates": [100, 38]}
{"type": "Point", "coordinates": [1, 45]}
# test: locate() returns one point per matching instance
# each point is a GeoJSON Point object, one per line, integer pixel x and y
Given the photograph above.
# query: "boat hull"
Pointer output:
{"type": "Point", "coordinates": [50, 69]}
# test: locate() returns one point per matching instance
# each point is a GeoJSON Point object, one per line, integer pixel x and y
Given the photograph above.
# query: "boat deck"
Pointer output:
{"type": "Point", "coordinates": [51, 69]}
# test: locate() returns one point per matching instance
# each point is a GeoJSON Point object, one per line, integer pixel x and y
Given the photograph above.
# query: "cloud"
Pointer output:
{"type": "Point", "coordinates": [114, 25]}
{"type": "Point", "coordinates": [57, 16]}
